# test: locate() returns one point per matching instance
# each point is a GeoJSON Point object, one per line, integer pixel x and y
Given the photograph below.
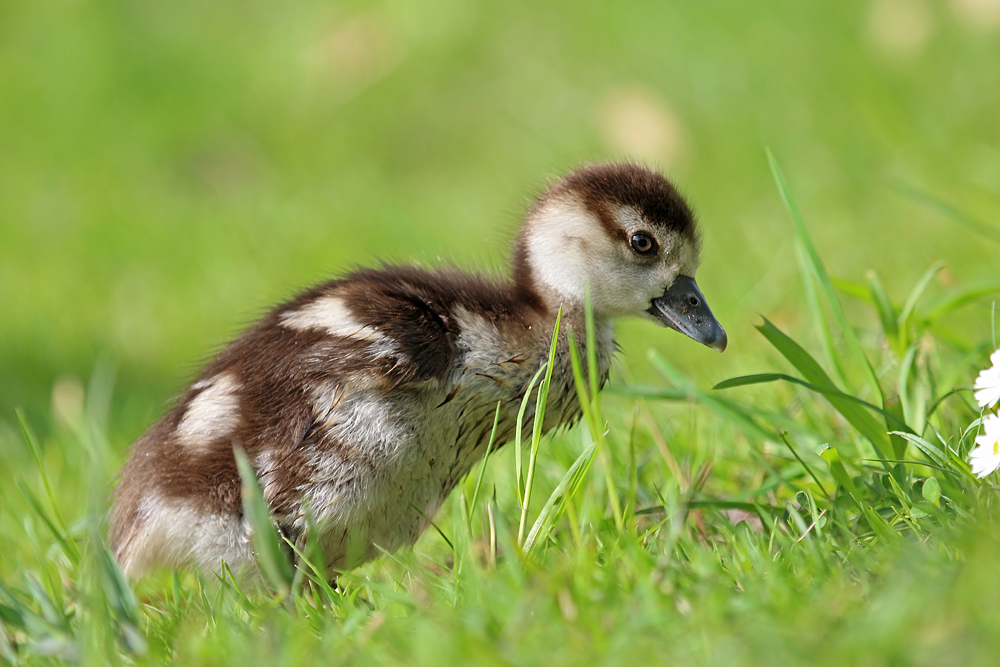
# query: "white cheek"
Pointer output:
{"type": "Point", "coordinates": [560, 253]}
{"type": "Point", "coordinates": [631, 290]}
{"type": "Point", "coordinates": [684, 259]}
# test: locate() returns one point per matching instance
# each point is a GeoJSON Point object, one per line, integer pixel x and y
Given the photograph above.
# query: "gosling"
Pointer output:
{"type": "Point", "coordinates": [361, 403]}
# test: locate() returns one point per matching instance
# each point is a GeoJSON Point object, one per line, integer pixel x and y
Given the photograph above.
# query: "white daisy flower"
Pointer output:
{"type": "Point", "coordinates": [986, 457]}
{"type": "Point", "coordinates": [988, 383]}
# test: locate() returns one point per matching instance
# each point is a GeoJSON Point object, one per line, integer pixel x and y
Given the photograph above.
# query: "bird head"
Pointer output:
{"type": "Point", "coordinates": [624, 231]}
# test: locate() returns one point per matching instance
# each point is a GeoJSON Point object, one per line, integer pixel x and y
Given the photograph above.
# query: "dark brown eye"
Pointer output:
{"type": "Point", "coordinates": [643, 243]}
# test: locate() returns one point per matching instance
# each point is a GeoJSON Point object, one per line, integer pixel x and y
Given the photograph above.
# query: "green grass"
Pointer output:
{"type": "Point", "coordinates": [170, 170]}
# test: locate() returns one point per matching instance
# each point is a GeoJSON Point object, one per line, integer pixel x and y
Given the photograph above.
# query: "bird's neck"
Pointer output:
{"type": "Point", "coordinates": [573, 331]}
{"type": "Point", "coordinates": [548, 303]}
{"type": "Point", "coordinates": [544, 298]}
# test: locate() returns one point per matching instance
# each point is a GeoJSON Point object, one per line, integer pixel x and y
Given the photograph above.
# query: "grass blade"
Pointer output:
{"type": "Point", "coordinates": [433, 525]}
{"type": "Point", "coordinates": [57, 524]}
{"type": "Point", "coordinates": [591, 327]}
{"type": "Point", "coordinates": [271, 557]}
{"type": "Point", "coordinates": [809, 281]}
{"type": "Point", "coordinates": [68, 545]}
{"type": "Point", "coordinates": [317, 575]}
{"type": "Point", "coordinates": [852, 289]}
{"type": "Point", "coordinates": [729, 411]}
{"type": "Point", "coordinates": [930, 201]}
{"type": "Point", "coordinates": [536, 429]}
{"type": "Point", "coordinates": [931, 451]}
{"type": "Point", "coordinates": [915, 294]}
{"type": "Point", "coordinates": [819, 272]}
{"type": "Point", "coordinates": [517, 433]}
{"type": "Point", "coordinates": [633, 470]}
{"type": "Point", "coordinates": [556, 504]}
{"type": "Point", "coordinates": [946, 304]}
{"type": "Point", "coordinates": [590, 405]}
{"type": "Point", "coordinates": [839, 472]}
{"type": "Point", "coordinates": [788, 443]}
{"type": "Point", "coordinates": [847, 406]}
{"type": "Point", "coordinates": [886, 313]}
{"type": "Point", "coordinates": [486, 459]}
{"type": "Point", "coordinates": [764, 378]}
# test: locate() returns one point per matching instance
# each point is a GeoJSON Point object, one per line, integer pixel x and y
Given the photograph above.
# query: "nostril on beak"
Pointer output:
{"type": "Point", "coordinates": [693, 301]}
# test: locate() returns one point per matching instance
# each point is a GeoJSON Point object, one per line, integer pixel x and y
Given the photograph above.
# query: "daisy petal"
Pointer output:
{"type": "Point", "coordinates": [987, 384]}
{"type": "Point", "coordinates": [985, 457]}
{"type": "Point", "coordinates": [987, 397]}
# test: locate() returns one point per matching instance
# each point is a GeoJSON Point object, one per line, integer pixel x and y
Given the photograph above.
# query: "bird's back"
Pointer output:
{"type": "Point", "coordinates": [363, 401]}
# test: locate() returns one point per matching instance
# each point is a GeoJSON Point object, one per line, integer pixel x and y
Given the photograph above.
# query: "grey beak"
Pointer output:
{"type": "Point", "coordinates": [683, 308]}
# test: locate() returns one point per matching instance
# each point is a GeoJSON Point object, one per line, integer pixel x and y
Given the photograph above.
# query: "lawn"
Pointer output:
{"type": "Point", "coordinates": [168, 171]}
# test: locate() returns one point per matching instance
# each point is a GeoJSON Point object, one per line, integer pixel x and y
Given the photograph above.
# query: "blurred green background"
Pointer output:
{"type": "Point", "coordinates": [169, 170]}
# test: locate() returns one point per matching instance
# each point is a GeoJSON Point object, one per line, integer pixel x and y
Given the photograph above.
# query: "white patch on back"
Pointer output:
{"type": "Point", "coordinates": [212, 414]}
{"type": "Point", "coordinates": [331, 314]}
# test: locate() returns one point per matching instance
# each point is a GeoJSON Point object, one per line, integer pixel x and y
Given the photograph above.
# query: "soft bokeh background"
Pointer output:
{"type": "Point", "coordinates": [168, 170]}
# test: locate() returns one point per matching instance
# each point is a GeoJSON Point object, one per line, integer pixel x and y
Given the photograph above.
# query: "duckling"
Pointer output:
{"type": "Point", "coordinates": [362, 402]}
